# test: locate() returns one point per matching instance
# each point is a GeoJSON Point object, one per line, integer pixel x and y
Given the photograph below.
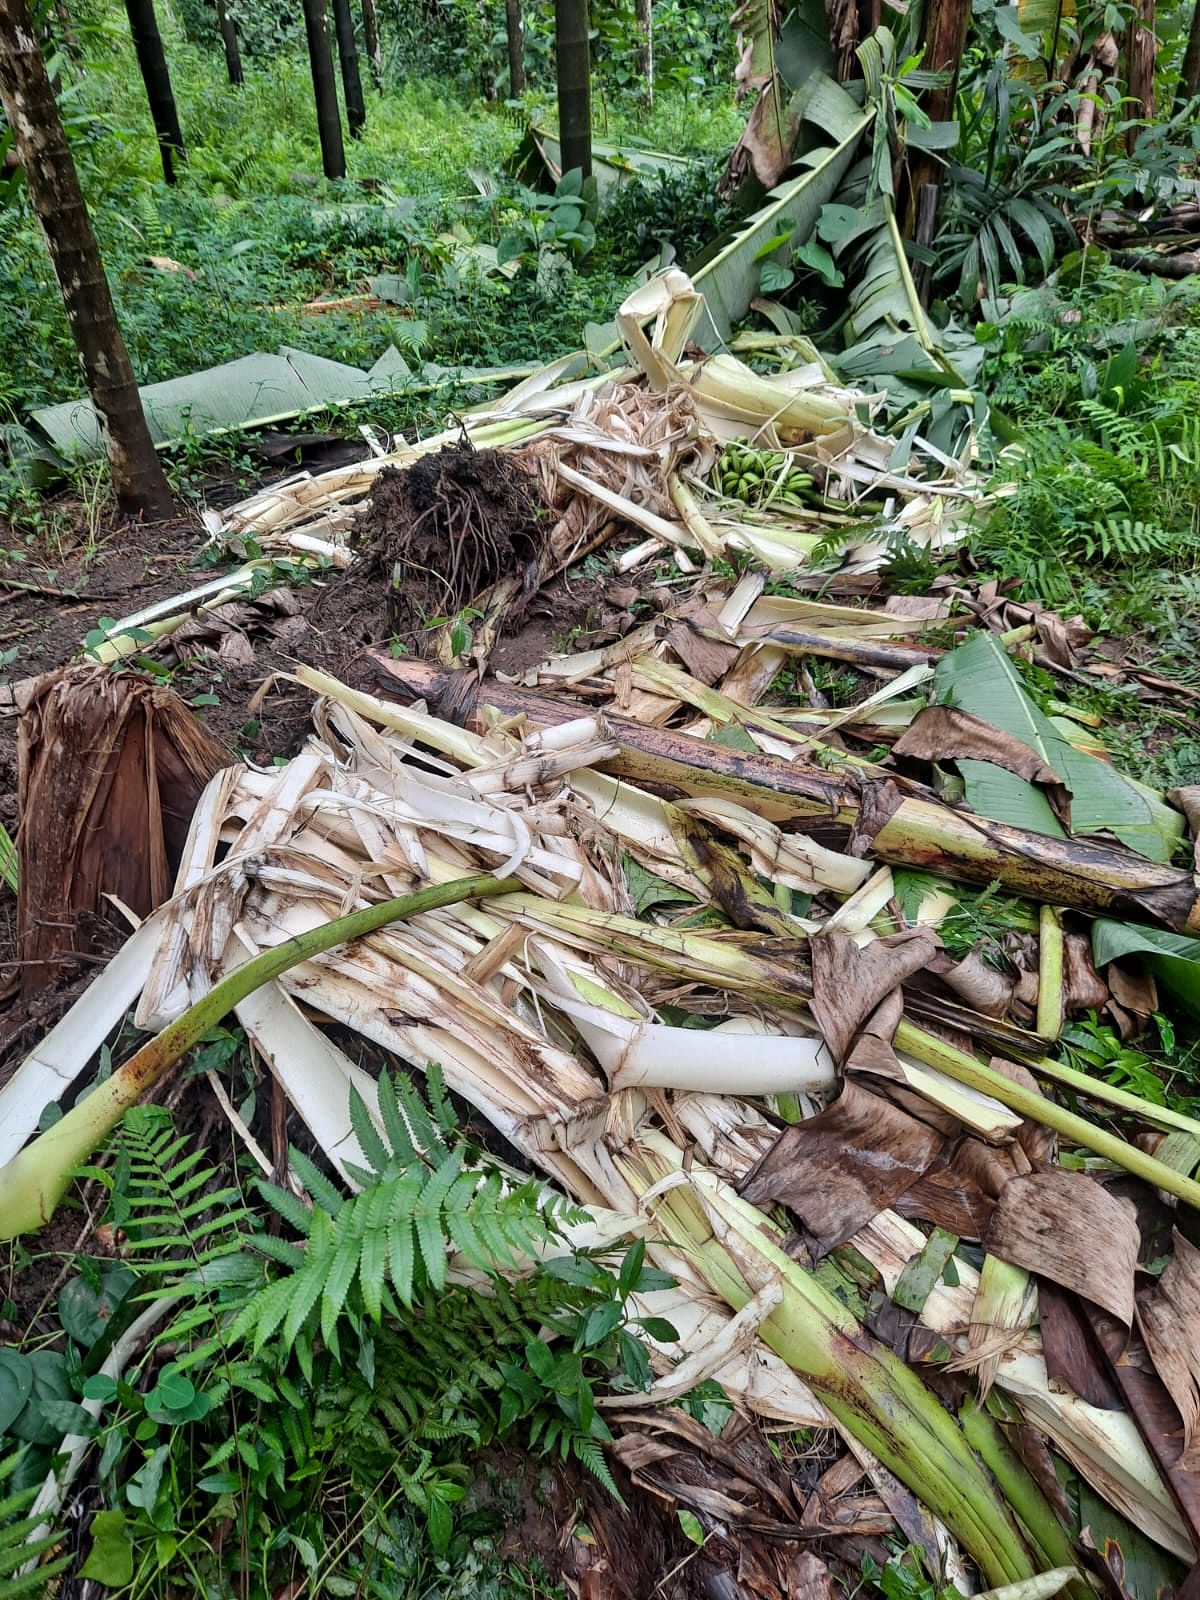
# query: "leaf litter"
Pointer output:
{"type": "Point", "coordinates": [771, 1068]}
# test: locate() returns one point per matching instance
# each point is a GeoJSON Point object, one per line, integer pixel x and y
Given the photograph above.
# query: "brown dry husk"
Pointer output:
{"type": "Point", "coordinates": [109, 772]}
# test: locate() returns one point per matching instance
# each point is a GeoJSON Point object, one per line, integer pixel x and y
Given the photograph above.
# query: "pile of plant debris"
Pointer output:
{"type": "Point", "coordinates": [779, 1016]}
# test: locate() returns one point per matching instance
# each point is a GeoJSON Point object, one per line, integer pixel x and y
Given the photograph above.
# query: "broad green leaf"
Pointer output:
{"type": "Point", "coordinates": [814, 254]}
{"type": "Point", "coordinates": [631, 1268]}
{"type": "Point", "coordinates": [85, 1309]}
{"type": "Point", "coordinates": [731, 279]}
{"type": "Point", "coordinates": [980, 678]}
{"type": "Point", "coordinates": [1173, 958]}
{"type": "Point", "coordinates": [691, 1525]}
{"type": "Point", "coordinates": [110, 1560]}
{"type": "Point", "coordinates": [601, 1320]}
{"type": "Point", "coordinates": [774, 277]}
{"type": "Point", "coordinates": [51, 1382]}
{"type": "Point", "coordinates": [16, 1385]}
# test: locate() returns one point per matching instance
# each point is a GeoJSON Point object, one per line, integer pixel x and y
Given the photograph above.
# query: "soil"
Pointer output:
{"type": "Point", "coordinates": [444, 530]}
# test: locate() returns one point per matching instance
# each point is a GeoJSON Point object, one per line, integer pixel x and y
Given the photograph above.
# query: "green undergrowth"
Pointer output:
{"type": "Point", "coordinates": [341, 1392]}
{"type": "Point", "coordinates": [252, 231]}
{"type": "Point", "coordinates": [1096, 378]}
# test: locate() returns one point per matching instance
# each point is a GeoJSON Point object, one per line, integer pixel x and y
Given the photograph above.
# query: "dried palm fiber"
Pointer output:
{"type": "Point", "coordinates": [109, 771]}
{"type": "Point", "coordinates": [626, 440]}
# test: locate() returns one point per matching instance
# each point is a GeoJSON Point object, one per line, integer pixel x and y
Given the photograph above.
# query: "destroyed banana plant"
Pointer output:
{"type": "Point", "coordinates": [898, 827]}
{"type": "Point", "coordinates": [777, 981]}
{"type": "Point", "coordinates": [873, 1394]}
{"type": "Point", "coordinates": [34, 1181]}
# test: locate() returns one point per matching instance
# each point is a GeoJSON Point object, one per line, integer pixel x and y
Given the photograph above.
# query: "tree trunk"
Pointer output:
{"type": "Point", "coordinates": [57, 199]}
{"type": "Point", "coordinates": [356, 111]}
{"type": "Point", "coordinates": [945, 39]}
{"type": "Point", "coordinates": [645, 22]}
{"type": "Point", "coordinates": [514, 25]}
{"type": "Point", "coordinates": [147, 42]}
{"type": "Point", "coordinates": [320, 59]}
{"type": "Point", "coordinates": [371, 40]}
{"type": "Point", "coordinates": [1141, 49]}
{"type": "Point", "coordinates": [1189, 77]}
{"type": "Point", "coordinates": [574, 85]}
{"type": "Point", "coordinates": [233, 56]}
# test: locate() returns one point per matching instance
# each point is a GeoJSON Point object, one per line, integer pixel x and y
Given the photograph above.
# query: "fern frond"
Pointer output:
{"type": "Point", "coordinates": [17, 1550]}
{"type": "Point", "coordinates": [396, 1233]}
{"type": "Point", "coordinates": [590, 1454]}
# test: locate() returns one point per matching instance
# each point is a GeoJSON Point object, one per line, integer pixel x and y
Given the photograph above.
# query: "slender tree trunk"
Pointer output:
{"type": "Point", "coordinates": [945, 39]}
{"type": "Point", "coordinates": [356, 111]}
{"type": "Point", "coordinates": [1189, 77]}
{"type": "Point", "coordinates": [147, 42]}
{"type": "Point", "coordinates": [574, 84]}
{"type": "Point", "coordinates": [67, 37]}
{"type": "Point", "coordinates": [645, 21]}
{"type": "Point", "coordinates": [57, 199]}
{"type": "Point", "coordinates": [233, 56]}
{"type": "Point", "coordinates": [320, 58]}
{"type": "Point", "coordinates": [1141, 48]}
{"type": "Point", "coordinates": [487, 74]}
{"type": "Point", "coordinates": [371, 40]}
{"type": "Point", "coordinates": [514, 25]}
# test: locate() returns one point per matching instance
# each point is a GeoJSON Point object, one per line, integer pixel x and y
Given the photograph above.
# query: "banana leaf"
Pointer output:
{"type": "Point", "coordinates": [1173, 958]}
{"type": "Point", "coordinates": [980, 678]}
{"type": "Point", "coordinates": [540, 157]}
{"type": "Point", "coordinates": [730, 280]}
{"type": "Point", "coordinates": [253, 392]}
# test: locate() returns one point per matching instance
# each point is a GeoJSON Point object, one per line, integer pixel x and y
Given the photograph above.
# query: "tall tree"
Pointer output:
{"type": "Point", "coordinates": [1141, 50]}
{"type": "Point", "coordinates": [147, 42]}
{"type": "Point", "coordinates": [514, 24]}
{"type": "Point", "coordinates": [644, 10]}
{"type": "Point", "coordinates": [57, 199]}
{"type": "Point", "coordinates": [320, 59]}
{"type": "Point", "coordinates": [356, 111]}
{"type": "Point", "coordinates": [574, 84]}
{"type": "Point", "coordinates": [229, 38]}
{"type": "Point", "coordinates": [944, 38]}
{"type": "Point", "coordinates": [1189, 77]}
{"type": "Point", "coordinates": [371, 41]}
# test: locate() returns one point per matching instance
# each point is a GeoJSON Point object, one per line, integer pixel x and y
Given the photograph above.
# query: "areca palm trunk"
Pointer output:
{"type": "Point", "coordinates": [645, 22]}
{"type": "Point", "coordinates": [57, 199]}
{"type": "Point", "coordinates": [320, 59]}
{"type": "Point", "coordinates": [229, 38]}
{"type": "Point", "coordinates": [514, 26]}
{"type": "Point", "coordinates": [1189, 77]}
{"type": "Point", "coordinates": [152, 60]}
{"type": "Point", "coordinates": [370, 20]}
{"type": "Point", "coordinates": [356, 111]}
{"type": "Point", "coordinates": [573, 65]}
{"type": "Point", "coordinates": [945, 39]}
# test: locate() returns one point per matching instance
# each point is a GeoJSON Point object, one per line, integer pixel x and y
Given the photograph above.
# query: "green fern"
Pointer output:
{"type": "Point", "coordinates": [17, 1550]}
{"type": "Point", "coordinates": [422, 1196]}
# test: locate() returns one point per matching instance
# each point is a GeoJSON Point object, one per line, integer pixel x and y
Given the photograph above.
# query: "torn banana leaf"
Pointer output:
{"type": "Point", "coordinates": [1173, 958]}
{"type": "Point", "coordinates": [979, 677]}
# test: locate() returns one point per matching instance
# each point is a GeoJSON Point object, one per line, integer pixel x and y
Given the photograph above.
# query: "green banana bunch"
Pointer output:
{"type": "Point", "coordinates": [754, 475]}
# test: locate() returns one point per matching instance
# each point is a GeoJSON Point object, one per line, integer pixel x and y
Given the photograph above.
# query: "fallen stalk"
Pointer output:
{"type": "Point", "coordinates": [35, 1180]}
{"type": "Point", "coordinates": [771, 975]}
{"type": "Point", "coordinates": [875, 1396]}
{"type": "Point", "coordinates": [898, 828]}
